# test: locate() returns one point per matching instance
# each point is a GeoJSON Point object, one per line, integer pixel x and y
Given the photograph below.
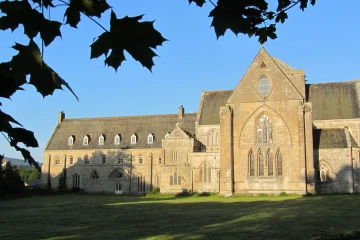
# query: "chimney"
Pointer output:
{"type": "Point", "coordinates": [181, 112]}
{"type": "Point", "coordinates": [61, 117]}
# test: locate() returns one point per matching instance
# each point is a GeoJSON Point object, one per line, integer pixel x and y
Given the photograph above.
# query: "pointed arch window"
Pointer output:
{"type": "Point", "coordinates": [171, 180]}
{"type": "Point", "coordinates": [213, 138]}
{"type": "Point", "coordinates": [175, 179]}
{"type": "Point", "coordinates": [141, 159]}
{"type": "Point", "coordinates": [141, 182]}
{"type": "Point", "coordinates": [261, 163]}
{"type": "Point", "coordinates": [270, 163]}
{"type": "Point", "coordinates": [71, 160]}
{"type": "Point", "coordinates": [101, 139]}
{"type": "Point", "coordinates": [264, 130]}
{"type": "Point", "coordinates": [279, 159]}
{"type": "Point", "coordinates": [103, 159]}
{"type": "Point", "coordinates": [133, 139]}
{"type": "Point", "coordinates": [76, 180]}
{"type": "Point", "coordinates": [94, 175]}
{"type": "Point", "coordinates": [86, 140]}
{"type": "Point", "coordinates": [205, 173]}
{"type": "Point", "coordinates": [150, 138]}
{"type": "Point", "coordinates": [324, 173]}
{"type": "Point", "coordinates": [71, 141]}
{"type": "Point", "coordinates": [117, 139]}
{"type": "Point", "coordinates": [264, 86]}
{"type": "Point", "coordinates": [251, 164]}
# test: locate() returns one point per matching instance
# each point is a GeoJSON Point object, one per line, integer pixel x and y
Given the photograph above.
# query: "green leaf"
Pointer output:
{"type": "Point", "coordinates": [137, 38]}
{"type": "Point", "coordinates": [281, 17]}
{"type": "Point", "coordinates": [21, 12]}
{"type": "Point", "coordinates": [10, 82]}
{"type": "Point", "coordinates": [43, 77]}
{"type": "Point", "coordinates": [6, 119]}
{"type": "Point", "coordinates": [27, 157]}
{"type": "Point", "coordinates": [21, 135]}
{"type": "Point", "coordinates": [90, 8]}
{"type": "Point", "coordinates": [72, 17]}
{"type": "Point", "coordinates": [200, 3]}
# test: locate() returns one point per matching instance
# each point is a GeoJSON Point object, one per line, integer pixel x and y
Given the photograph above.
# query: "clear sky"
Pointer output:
{"type": "Point", "coordinates": [323, 40]}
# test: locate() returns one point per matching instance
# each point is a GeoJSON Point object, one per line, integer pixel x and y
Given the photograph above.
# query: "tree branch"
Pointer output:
{"type": "Point", "coordinates": [88, 17]}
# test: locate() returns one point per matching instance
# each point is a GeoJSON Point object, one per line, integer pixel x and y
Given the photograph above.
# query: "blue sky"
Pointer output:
{"type": "Point", "coordinates": [322, 40]}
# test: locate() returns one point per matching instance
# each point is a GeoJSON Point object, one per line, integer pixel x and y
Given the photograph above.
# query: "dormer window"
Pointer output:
{"type": "Point", "coordinates": [71, 140]}
{"type": "Point", "coordinates": [117, 139]}
{"type": "Point", "coordinates": [133, 139]}
{"type": "Point", "coordinates": [86, 140]}
{"type": "Point", "coordinates": [101, 139]}
{"type": "Point", "coordinates": [150, 138]}
{"type": "Point", "coordinates": [166, 135]}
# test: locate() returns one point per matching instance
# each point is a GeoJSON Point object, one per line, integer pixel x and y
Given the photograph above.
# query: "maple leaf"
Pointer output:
{"type": "Point", "coordinates": [33, 21]}
{"type": "Point", "coordinates": [29, 61]}
{"type": "Point", "coordinates": [137, 38]}
{"type": "Point", "coordinates": [200, 3]}
{"type": "Point", "coordinates": [88, 7]}
{"type": "Point", "coordinates": [9, 81]}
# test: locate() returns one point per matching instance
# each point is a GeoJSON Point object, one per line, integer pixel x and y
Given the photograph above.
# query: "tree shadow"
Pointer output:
{"type": "Point", "coordinates": [91, 217]}
{"type": "Point", "coordinates": [113, 172]}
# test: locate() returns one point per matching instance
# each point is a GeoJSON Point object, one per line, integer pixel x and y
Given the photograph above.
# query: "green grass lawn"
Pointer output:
{"type": "Point", "coordinates": [118, 217]}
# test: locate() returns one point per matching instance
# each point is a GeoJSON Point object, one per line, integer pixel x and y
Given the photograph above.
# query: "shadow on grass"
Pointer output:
{"type": "Point", "coordinates": [113, 217]}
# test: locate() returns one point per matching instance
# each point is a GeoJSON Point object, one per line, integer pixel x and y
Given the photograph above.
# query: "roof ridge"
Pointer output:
{"type": "Point", "coordinates": [346, 81]}
{"type": "Point", "coordinates": [123, 117]}
{"type": "Point", "coordinates": [212, 91]}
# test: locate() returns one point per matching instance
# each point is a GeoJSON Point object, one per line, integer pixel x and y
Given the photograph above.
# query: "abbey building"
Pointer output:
{"type": "Point", "coordinates": [273, 133]}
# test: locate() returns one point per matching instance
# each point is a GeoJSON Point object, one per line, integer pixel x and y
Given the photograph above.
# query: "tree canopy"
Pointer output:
{"type": "Point", "coordinates": [139, 38]}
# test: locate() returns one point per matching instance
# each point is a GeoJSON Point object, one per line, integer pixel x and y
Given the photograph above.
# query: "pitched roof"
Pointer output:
{"type": "Point", "coordinates": [142, 126]}
{"type": "Point", "coordinates": [211, 104]}
{"type": "Point", "coordinates": [331, 138]}
{"type": "Point", "coordinates": [282, 65]}
{"type": "Point", "coordinates": [335, 100]}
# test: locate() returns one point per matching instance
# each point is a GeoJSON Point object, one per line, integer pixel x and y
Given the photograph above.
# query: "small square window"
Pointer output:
{"type": "Point", "coordinates": [159, 160]}
{"type": "Point", "coordinates": [140, 159]}
{"type": "Point", "coordinates": [103, 159]}
{"type": "Point", "coordinates": [71, 160]}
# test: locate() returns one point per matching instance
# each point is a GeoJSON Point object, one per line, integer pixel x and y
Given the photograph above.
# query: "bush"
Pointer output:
{"type": "Point", "coordinates": [12, 182]}
{"type": "Point", "coordinates": [154, 192]}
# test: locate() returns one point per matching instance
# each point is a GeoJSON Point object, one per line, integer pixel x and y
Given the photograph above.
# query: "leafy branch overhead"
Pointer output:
{"type": "Point", "coordinates": [130, 34]}
{"type": "Point", "coordinates": [250, 17]}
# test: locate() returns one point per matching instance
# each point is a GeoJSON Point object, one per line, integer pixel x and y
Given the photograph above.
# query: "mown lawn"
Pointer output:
{"type": "Point", "coordinates": [118, 217]}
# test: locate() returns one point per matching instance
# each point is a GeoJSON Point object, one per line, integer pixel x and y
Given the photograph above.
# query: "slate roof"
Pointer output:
{"type": "Point", "coordinates": [331, 138]}
{"type": "Point", "coordinates": [126, 126]}
{"type": "Point", "coordinates": [211, 104]}
{"type": "Point", "coordinates": [335, 100]}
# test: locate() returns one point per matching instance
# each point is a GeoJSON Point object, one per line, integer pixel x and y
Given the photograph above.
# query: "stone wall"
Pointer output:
{"type": "Point", "coordinates": [339, 166]}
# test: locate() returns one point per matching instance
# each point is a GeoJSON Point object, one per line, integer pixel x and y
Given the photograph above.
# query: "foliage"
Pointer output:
{"type": "Point", "coordinates": [10, 182]}
{"type": "Point", "coordinates": [62, 187]}
{"type": "Point", "coordinates": [130, 34]}
{"type": "Point", "coordinates": [29, 173]}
